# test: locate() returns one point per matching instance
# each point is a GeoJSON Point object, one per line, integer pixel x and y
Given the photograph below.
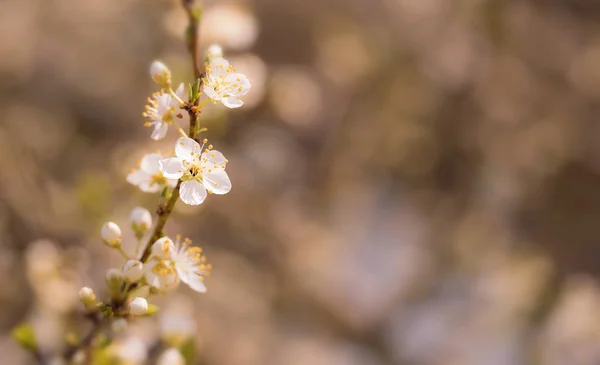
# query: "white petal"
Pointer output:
{"type": "Point", "coordinates": [218, 67]}
{"type": "Point", "coordinates": [213, 159]}
{"type": "Point", "coordinates": [179, 93]}
{"type": "Point", "coordinates": [164, 104]}
{"type": "Point", "coordinates": [238, 84]}
{"type": "Point", "coordinates": [195, 283]}
{"type": "Point", "coordinates": [149, 186]}
{"type": "Point", "coordinates": [149, 163]}
{"type": "Point", "coordinates": [210, 92]}
{"type": "Point", "coordinates": [160, 131]}
{"type": "Point", "coordinates": [217, 182]}
{"type": "Point", "coordinates": [192, 192]}
{"type": "Point", "coordinates": [232, 102]}
{"type": "Point", "coordinates": [187, 149]}
{"type": "Point", "coordinates": [191, 279]}
{"type": "Point", "coordinates": [171, 168]}
{"type": "Point", "coordinates": [136, 177]}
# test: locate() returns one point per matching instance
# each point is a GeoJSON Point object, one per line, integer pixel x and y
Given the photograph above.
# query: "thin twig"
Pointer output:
{"type": "Point", "coordinates": [164, 210]}
{"type": "Point", "coordinates": [86, 341]}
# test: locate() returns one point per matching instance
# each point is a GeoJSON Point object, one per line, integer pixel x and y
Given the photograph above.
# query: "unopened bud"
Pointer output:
{"type": "Point", "coordinates": [214, 51]}
{"type": "Point", "coordinates": [160, 74]}
{"type": "Point", "coordinates": [111, 234]}
{"type": "Point", "coordinates": [133, 270]}
{"type": "Point", "coordinates": [88, 298]}
{"type": "Point", "coordinates": [163, 248]}
{"type": "Point", "coordinates": [138, 306]}
{"type": "Point", "coordinates": [119, 325]}
{"type": "Point", "coordinates": [141, 221]}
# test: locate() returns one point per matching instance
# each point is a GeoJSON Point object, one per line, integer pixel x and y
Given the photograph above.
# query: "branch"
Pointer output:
{"type": "Point", "coordinates": [164, 211]}
{"type": "Point", "coordinates": [86, 341]}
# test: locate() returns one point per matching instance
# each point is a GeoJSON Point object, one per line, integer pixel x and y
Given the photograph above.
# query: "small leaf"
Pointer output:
{"type": "Point", "coordinates": [24, 335]}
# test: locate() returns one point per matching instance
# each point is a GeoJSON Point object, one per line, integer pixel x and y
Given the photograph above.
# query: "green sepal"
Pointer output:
{"type": "Point", "coordinates": [152, 309]}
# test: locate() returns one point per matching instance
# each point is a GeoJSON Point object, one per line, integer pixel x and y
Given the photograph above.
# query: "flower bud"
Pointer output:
{"type": "Point", "coordinates": [214, 51]}
{"type": "Point", "coordinates": [133, 270]}
{"type": "Point", "coordinates": [119, 325]}
{"type": "Point", "coordinates": [160, 74]}
{"type": "Point", "coordinates": [88, 298]}
{"type": "Point", "coordinates": [171, 356]}
{"type": "Point", "coordinates": [111, 234]}
{"type": "Point", "coordinates": [138, 306]}
{"type": "Point", "coordinates": [163, 248]}
{"type": "Point", "coordinates": [114, 282]}
{"type": "Point", "coordinates": [141, 221]}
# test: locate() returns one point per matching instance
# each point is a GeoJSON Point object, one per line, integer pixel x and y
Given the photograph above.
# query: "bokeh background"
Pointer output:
{"type": "Point", "coordinates": [414, 181]}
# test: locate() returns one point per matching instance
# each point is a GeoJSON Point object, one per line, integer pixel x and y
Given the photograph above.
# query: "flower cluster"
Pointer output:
{"type": "Point", "coordinates": [189, 173]}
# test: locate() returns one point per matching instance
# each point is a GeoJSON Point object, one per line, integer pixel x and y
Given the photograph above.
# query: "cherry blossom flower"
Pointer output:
{"type": "Point", "coordinates": [149, 178]}
{"type": "Point", "coordinates": [190, 265]}
{"type": "Point", "coordinates": [222, 83]}
{"type": "Point", "coordinates": [199, 171]}
{"type": "Point", "coordinates": [162, 110]}
{"type": "Point", "coordinates": [161, 275]}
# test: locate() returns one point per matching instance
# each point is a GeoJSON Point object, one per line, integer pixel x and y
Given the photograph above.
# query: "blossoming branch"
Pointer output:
{"type": "Point", "coordinates": [159, 264]}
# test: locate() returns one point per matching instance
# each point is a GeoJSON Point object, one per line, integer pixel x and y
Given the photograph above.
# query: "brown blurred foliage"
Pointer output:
{"type": "Point", "coordinates": [414, 181]}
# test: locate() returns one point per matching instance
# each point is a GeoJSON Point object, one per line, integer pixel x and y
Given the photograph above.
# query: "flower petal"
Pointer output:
{"type": "Point", "coordinates": [149, 186]}
{"type": "Point", "coordinates": [217, 68]}
{"type": "Point", "coordinates": [149, 163]}
{"type": "Point", "coordinates": [160, 131]}
{"type": "Point", "coordinates": [164, 104]}
{"type": "Point", "coordinates": [195, 283]}
{"type": "Point", "coordinates": [190, 278]}
{"type": "Point", "coordinates": [213, 159]}
{"type": "Point", "coordinates": [192, 192]}
{"type": "Point", "coordinates": [136, 177]}
{"type": "Point", "coordinates": [217, 182]}
{"type": "Point", "coordinates": [187, 149]}
{"type": "Point", "coordinates": [232, 102]}
{"type": "Point", "coordinates": [179, 93]}
{"type": "Point", "coordinates": [238, 84]}
{"type": "Point", "coordinates": [211, 93]}
{"type": "Point", "coordinates": [171, 168]}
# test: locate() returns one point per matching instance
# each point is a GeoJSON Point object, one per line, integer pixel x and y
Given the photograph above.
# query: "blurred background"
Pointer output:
{"type": "Point", "coordinates": [414, 181]}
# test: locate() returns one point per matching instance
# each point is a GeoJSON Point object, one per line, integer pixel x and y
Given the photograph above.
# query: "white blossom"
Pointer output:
{"type": "Point", "coordinates": [138, 306]}
{"type": "Point", "coordinates": [199, 171]}
{"type": "Point", "coordinates": [190, 265]}
{"type": "Point", "coordinates": [163, 248]}
{"type": "Point", "coordinates": [161, 275]}
{"type": "Point", "coordinates": [133, 270]}
{"type": "Point", "coordinates": [222, 83]}
{"type": "Point", "coordinates": [174, 262]}
{"type": "Point", "coordinates": [162, 110]}
{"type": "Point", "coordinates": [148, 177]}
{"type": "Point", "coordinates": [171, 356]}
{"type": "Point", "coordinates": [111, 234]}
